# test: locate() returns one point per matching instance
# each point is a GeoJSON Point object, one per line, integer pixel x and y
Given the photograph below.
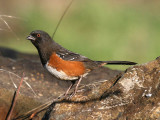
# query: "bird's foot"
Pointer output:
{"type": "Point", "coordinates": [63, 96]}
{"type": "Point", "coordinates": [71, 95]}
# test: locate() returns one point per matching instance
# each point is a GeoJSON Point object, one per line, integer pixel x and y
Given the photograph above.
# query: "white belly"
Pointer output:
{"type": "Point", "coordinates": [59, 74]}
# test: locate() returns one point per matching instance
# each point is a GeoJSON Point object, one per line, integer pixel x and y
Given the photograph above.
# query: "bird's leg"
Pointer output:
{"type": "Point", "coordinates": [80, 79]}
{"type": "Point", "coordinates": [73, 82]}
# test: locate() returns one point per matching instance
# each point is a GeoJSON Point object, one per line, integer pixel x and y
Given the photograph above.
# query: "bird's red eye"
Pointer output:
{"type": "Point", "coordinates": [38, 35]}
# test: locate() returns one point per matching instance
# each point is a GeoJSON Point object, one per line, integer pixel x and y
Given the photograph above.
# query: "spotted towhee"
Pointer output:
{"type": "Point", "coordinates": [62, 63]}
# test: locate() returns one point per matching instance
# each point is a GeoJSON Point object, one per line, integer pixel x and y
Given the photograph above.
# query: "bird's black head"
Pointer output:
{"type": "Point", "coordinates": [44, 44]}
{"type": "Point", "coordinates": [39, 37]}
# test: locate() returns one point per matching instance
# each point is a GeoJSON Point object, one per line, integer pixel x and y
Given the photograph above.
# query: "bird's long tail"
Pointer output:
{"type": "Point", "coordinates": [117, 62]}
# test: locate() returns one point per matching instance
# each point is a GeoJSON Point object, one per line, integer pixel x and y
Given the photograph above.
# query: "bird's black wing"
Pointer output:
{"type": "Point", "coordinates": [71, 56]}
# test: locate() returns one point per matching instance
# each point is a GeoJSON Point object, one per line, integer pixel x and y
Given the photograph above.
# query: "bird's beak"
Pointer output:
{"type": "Point", "coordinates": [30, 37]}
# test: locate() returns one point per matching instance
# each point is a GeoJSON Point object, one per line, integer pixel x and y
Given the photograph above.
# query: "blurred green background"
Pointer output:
{"type": "Point", "coordinates": [98, 29]}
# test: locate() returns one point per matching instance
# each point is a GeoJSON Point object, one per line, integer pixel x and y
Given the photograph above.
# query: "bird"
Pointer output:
{"type": "Point", "coordinates": [63, 63]}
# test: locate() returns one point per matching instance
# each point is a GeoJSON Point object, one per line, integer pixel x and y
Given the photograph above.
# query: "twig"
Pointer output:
{"type": "Point", "coordinates": [30, 88]}
{"type": "Point", "coordinates": [9, 16]}
{"type": "Point", "coordinates": [12, 81]}
{"type": "Point", "coordinates": [34, 111]}
{"type": "Point", "coordinates": [8, 26]}
{"type": "Point", "coordinates": [10, 72]}
{"type": "Point", "coordinates": [48, 112]}
{"type": "Point", "coordinates": [20, 78]}
{"type": "Point", "coordinates": [59, 22]}
{"type": "Point", "coordinates": [49, 105]}
{"type": "Point", "coordinates": [16, 93]}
